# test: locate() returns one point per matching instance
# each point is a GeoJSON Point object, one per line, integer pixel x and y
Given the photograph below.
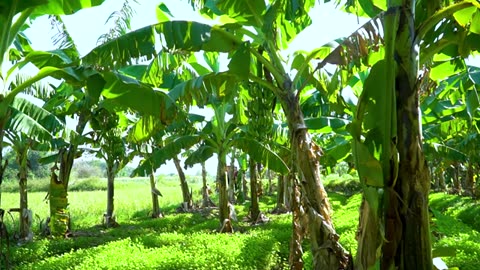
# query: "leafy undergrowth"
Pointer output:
{"type": "Point", "coordinates": [455, 228]}
{"type": "Point", "coordinates": [178, 241]}
{"type": "Point", "coordinates": [190, 241]}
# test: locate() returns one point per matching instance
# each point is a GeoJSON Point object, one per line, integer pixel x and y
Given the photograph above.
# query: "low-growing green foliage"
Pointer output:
{"type": "Point", "coordinates": [465, 209]}
{"type": "Point", "coordinates": [190, 241]}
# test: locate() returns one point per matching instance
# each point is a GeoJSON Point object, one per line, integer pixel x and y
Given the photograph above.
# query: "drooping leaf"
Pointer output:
{"type": "Point", "coordinates": [128, 93]}
{"type": "Point", "coordinates": [63, 7]}
{"type": "Point", "coordinates": [161, 154]}
{"type": "Point", "coordinates": [173, 35]}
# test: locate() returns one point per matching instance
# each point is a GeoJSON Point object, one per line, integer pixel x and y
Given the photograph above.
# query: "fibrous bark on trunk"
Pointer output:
{"type": "Point", "coordinates": [326, 250]}
{"type": "Point", "coordinates": [187, 203]}
{"type": "Point", "coordinates": [224, 209]}
{"type": "Point", "coordinates": [25, 214]}
{"type": "Point", "coordinates": [401, 229]}
{"type": "Point", "coordinates": [156, 213]}
{"type": "Point", "coordinates": [58, 201]}
{"type": "Point", "coordinates": [281, 207]}
{"type": "Point", "coordinates": [469, 183]}
{"type": "Point", "coordinates": [109, 217]}
{"type": "Point", "coordinates": [254, 207]}
{"type": "Point", "coordinates": [231, 179]}
{"type": "Point", "coordinates": [59, 216]}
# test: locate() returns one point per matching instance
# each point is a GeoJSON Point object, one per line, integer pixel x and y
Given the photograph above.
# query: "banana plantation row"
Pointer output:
{"type": "Point", "coordinates": [400, 89]}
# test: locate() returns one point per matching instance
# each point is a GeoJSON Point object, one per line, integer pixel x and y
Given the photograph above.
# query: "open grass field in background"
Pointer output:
{"type": "Point", "coordinates": [190, 241]}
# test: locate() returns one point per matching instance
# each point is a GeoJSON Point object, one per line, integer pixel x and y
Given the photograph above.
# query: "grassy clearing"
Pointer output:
{"type": "Point", "coordinates": [189, 241]}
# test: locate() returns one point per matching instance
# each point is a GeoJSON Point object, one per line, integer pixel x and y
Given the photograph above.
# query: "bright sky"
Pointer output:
{"type": "Point", "coordinates": [86, 26]}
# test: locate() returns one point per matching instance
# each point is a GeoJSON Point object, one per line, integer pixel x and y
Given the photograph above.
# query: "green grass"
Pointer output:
{"type": "Point", "coordinates": [190, 241]}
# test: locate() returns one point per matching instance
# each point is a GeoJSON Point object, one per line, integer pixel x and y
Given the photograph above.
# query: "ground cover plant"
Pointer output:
{"type": "Point", "coordinates": [190, 241]}
{"type": "Point", "coordinates": [395, 102]}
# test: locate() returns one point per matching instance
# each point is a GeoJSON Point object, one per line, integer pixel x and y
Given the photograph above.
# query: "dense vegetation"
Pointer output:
{"type": "Point", "coordinates": [189, 241]}
{"type": "Point", "coordinates": [395, 103]}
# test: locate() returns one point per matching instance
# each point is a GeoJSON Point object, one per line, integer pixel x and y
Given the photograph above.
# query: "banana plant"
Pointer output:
{"type": "Point", "coordinates": [30, 127]}
{"type": "Point", "coordinates": [262, 45]}
{"type": "Point", "coordinates": [220, 135]}
{"type": "Point", "coordinates": [109, 130]}
{"type": "Point", "coordinates": [145, 150]}
{"type": "Point", "coordinates": [394, 219]}
{"type": "Point", "coordinates": [13, 18]}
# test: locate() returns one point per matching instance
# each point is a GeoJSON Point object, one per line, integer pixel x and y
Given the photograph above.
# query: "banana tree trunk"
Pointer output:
{"type": "Point", "coordinates": [206, 200]}
{"type": "Point", "coordinates": [296, 250]}
{"type": "Point", "coordinates": [186, 194]}
{"type": "Point", "coordinates": [231, 178]}
{"type": "Point", "coordinates": [240, 178]}
{"type": "Point", "coordinates": [469, 180]}
{"type": "Point", "coordinates": [281, 204]}
{"type": "Point", "coordinates": [58, 198]}
{"type": "Point", "coordinates": [288, 189]}
{"type": "Point", "coordinates": [224, 215]}
{"type": "Point", "coordinates": [457, 187]}
{"type": "Point", "coordinates": [25, 214]}
{"type": "Point", "coordinates": [407, 228]}
{"type": "Point", "coordinates": [259, 188]}
{"type": "Point", "coordinates": [407, 231]}
{"type": "Point", "coordinates": [306, 159]}
{"type": "Point", "coordinates": [254, 207]}
{"type": "Point", "coordinates": [244, 184]}
{"type": "Point", "coordinates": [109, 215]}
{"type": "Point", "coordinates": [156, 213]}
{"type": "Point", "coordinates": [3, 164]}
{"type": "Point", "coordinates": [441, 180]}
{"type": "Point", "coordinates": [270, 178]}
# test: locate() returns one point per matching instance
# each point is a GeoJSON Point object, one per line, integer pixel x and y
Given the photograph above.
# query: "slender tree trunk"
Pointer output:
{"type": "Point", "coordinates": [110, 215]}
{"type": "Point", "coordinates": [457, 187]}
{"type": "Point", "coordinates": [441, 180]}
{"type": "Point", "coordinates": [296, 250]}
{"type": "Point", "coordinates": [281, 207]}
{"type": "Point", "coordinates": [280, 192]}
{"type": "Point", "coordinates": [25, 214]}
{"type": "Point", "coordinates": [239, 183]}
{"type": "Point", "coordinates": [287, 197]}
{"type": "Point", "coordinates": [469, 184]}
{"type": "Point", "coordinates": [3, 164]}
{"type": "Point", "coordinates": [231, 178]}
{"type": "Point", "coordinates": [306, 159]}
{"type": "Point", "coordinates": [156, 213]}
{"type": "Point", "coordinates": [259, 188]}
{"type": "Point", "coordinates": [224, 210]}
{"type": "Point", "coordinates": [186, 194]}
{"type": "Point", "coordinates": [244, 185]}
{"type": "Point", "coordinates": [254, 207]}
{"type": "Point", "coordinates": [270, 178]}
{"type": "Point", "coordinates": [205, 188]}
